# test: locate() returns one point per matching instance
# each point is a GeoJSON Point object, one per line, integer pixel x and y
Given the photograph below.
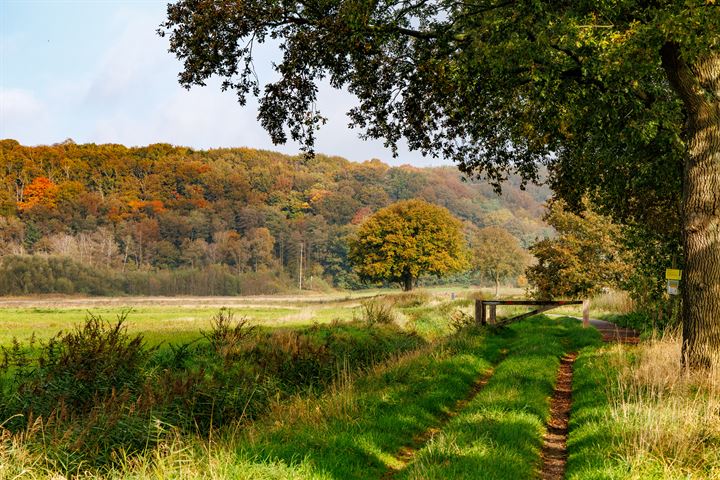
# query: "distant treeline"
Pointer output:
{"type": "Point", "coordinates": [30, 274]}
{"type": "Point", "coordinates": [103, 219]}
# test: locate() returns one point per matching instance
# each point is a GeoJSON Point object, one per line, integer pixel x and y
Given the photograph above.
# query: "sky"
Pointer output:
{"type": "Point", "coordinates": [97, 72]}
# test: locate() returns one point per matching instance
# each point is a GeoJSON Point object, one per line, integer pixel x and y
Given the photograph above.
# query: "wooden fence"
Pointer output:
{"type": "Point", "coordinates": [481, 314]}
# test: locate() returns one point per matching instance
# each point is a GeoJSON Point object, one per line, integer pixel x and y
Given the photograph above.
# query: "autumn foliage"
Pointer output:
{"type": "Point", "coordinates": [41, 192]}
{"type": "Point", "coordinates": [219, 213]}
{"type": "Point", "coordinates": [586, 256]}
{"type": "Point", "coordinates": [408, 239]}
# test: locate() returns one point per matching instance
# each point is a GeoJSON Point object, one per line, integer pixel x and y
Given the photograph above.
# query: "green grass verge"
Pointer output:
{"type": "Point", "coordinates": [591, 442]}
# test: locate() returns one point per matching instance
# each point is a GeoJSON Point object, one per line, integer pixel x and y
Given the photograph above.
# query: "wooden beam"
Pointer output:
{"type": "Point", "coordinates": [556, 303]}
{"type": "Point", "coordinates": [528, 314]}
{"type": "Point", "coordinates": [480, 312]}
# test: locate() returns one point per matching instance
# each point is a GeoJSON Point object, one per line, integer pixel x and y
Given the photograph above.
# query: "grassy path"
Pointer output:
{"type": "Point", "coordinates": [410, 421]}
{"type": "Point", "coordinates": [408, 452]}
{"type": "Point", "coordinates": [499, 434]}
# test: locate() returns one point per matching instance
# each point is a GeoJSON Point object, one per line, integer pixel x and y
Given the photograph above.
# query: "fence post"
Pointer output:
{"type": "Point", "coordinates": [492, 313]}
{"type": "Point", "coordinates": [479, 312]}
{"type": "Point", "coordinates": [586, 313]}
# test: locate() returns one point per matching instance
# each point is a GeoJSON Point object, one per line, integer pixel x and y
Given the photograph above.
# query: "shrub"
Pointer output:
{"type": "Point", "coordinates": [76, 368]}
{"type": "Point", "coordinates": [226, 334]}
{"type": "Point", "coordinates": [374, 312]}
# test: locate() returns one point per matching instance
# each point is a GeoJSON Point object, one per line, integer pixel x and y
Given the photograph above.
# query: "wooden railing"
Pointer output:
{"type": "Point", "coordinates": [481, 314]}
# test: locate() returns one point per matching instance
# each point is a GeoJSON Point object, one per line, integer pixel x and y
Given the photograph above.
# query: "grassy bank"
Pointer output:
{"type": "Point", "coordinates": [96, 394]}
{"type": "Point", "coordinates": [637, 415]}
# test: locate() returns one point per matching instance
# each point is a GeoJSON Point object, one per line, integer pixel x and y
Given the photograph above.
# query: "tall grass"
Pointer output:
{"type": "Point", "coordinates": [639, 415]}
{"type": "Point", "coordinates": [613, 301]}
{"type": "Point", "coordinates": [668, 415]}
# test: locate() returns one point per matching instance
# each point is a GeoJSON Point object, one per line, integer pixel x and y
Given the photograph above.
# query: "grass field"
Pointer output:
{"type": "Point", "coordinates": [337, 387]}
{"type": "Point", "coordinates": [180, 319]}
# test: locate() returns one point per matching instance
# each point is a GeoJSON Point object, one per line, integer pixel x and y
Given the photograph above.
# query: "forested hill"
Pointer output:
{"type": "Point", "coordinates": [239, 211]}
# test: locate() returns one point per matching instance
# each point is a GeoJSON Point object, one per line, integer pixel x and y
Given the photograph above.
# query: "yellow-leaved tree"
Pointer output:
{"type": "Point", "coordinates": [586, 256]}
{"type": "Point", "coordinates": [408, 239]}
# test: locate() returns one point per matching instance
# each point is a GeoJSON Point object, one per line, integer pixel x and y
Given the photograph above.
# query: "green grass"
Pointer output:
{"type": "Point", "coordinates": [386, 410]}
{"type": "Point", "coordinates": [591, 442]}
{"type": "Point", "coordinates": [356, 425]}
{"type": "Point", "coordinates": [498, 435]}
{"type": "Point", "coordinates": [162, 323]}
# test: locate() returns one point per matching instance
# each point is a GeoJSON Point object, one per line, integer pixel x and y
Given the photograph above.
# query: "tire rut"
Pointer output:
{"type": "Point", "coordinates": [407, 453]}
{"type": "Point", "coordinates": [554, 451]}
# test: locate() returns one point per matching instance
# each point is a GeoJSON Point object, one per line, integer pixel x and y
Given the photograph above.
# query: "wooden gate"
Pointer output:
{"type": "Point", "coordinates": [481, 314]}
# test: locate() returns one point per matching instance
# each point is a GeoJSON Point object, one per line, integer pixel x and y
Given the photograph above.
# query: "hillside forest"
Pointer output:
{"type": "Point", "coordinates": [161, 219]}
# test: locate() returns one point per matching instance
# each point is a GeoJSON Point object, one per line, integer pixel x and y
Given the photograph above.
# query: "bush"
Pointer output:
{"type": "Point", "coordinates": [76, 368]}
{"type": "Point", "coordinates": [227, 335]}
{"type": "Point", "coordinates": [374, 312]}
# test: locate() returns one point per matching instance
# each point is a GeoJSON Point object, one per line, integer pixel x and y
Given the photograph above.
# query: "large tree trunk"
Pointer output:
{"type": "Point", "coordinates": [698, 85]}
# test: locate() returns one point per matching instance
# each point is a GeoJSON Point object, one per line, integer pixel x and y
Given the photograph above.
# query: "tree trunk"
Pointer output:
{"type": "Point", "coordinates": [497, 285]}
{"type": "Point", "coordinates": [407, 282]}
{"type": "Point", "coordinates": [698, 85]}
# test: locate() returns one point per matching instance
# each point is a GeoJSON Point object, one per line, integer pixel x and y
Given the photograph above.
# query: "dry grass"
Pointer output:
{"type": "Point", "coordinates": [668, 418]}
{"type": "Point", "coordinates": [613, 301]}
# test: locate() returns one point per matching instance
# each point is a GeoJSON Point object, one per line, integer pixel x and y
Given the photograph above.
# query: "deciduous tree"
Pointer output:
{"type": "Point", "coordinates": [585, 257]}
{"type": "Point", "coordinates": [497, 255]}
{"type": "Point", "coordinates": [408, 239]}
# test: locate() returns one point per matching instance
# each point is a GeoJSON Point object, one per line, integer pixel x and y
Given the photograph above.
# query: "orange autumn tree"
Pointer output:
{"type": "Point", "coordinates": [408, 239]}
{"type": "Point", "coordinates": [41, 191]}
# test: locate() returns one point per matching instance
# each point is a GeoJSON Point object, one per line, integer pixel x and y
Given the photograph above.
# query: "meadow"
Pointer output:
{"type": "Point", "coordinates": [377, 385]}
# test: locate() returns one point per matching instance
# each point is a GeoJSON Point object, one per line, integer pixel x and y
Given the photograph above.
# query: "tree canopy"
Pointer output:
{"type": "Point", "coordinates": [163, 211]}
{"type": "Point", "coordinates": [586, 256]}
{"type": "Point", "coordinates": [408, 239]}
{"type": "Point", "coordinates": [621, 99]}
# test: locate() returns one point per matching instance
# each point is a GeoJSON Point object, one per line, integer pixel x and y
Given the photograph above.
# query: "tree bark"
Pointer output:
{"type": "Point", "coordinates": [698, 86]}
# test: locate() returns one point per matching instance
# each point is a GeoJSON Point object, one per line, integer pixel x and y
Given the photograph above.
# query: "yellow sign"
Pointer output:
{"type": "Point", "coordinates": [673, 274]}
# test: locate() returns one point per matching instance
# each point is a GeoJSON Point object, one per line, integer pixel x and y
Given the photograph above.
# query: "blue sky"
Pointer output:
{"type": "Point", "coordinates": [95, 71]}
